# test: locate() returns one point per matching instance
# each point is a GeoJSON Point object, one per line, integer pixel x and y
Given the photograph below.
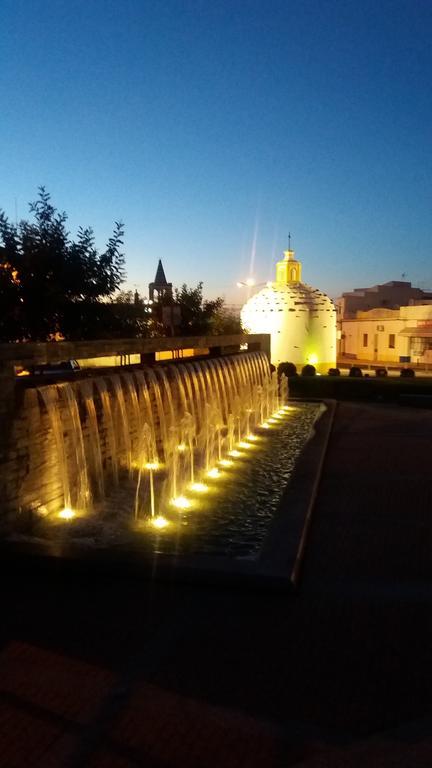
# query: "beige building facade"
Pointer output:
{"type": "Point", "coordinates": [391, 295]}
{"type": "Point", "coordinates": [401, 335]}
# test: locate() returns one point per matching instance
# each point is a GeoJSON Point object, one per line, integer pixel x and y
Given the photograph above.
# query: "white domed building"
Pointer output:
{"type": "Point", "coordinates": [300, 319]}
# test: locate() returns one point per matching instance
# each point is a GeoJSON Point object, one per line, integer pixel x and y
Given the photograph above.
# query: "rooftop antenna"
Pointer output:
{"type": "Point", "coordinates": [289, 241]}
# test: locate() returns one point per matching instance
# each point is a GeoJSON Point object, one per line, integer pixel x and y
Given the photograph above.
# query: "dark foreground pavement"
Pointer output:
{"type": "Point", "coordinates": [108, 673]}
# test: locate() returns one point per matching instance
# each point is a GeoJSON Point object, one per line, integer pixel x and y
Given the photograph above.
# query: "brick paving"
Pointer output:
{"type": "Point", "coordinates": [112, 673]}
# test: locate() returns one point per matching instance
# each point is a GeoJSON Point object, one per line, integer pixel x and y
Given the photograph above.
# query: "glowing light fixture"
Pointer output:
{"type": "Point", "coordinates": [181, 502]}
{"type": "Point", "coordinates": [313, 359]}
{"type": "Point", "coordinates": [152, 465]}
{"type": "Point", "coordinates": [234, 453]}
{"type": "Point", "coordinates": [199, 487]}
{"type": "Point", "coordinates": [214, 472]}
{"type": "Point", "coordinates": [252, 437]}
{"type": "Point", "coordinates": [264, 425]}
{"type": "Point", "coordinates": [66, 514]}
{"type": "Point", "coordinates": [272, 420]}
{"type": "Point", "coordinates": [181, 447]}
{"type": "Point", "coordinates": [159, 522]}
{"type": "Point", "coordinates": [226, 463]}
{"type": "Point", "coordinates": [244, 444]}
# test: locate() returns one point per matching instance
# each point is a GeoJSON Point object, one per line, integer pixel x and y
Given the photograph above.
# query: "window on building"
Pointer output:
{"type": "Point", "coordinates": [365, 339]}
{"type": "Point", "coordinates": [391, 340]}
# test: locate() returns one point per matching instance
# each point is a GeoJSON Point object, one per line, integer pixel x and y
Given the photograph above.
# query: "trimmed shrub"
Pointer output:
{"type": "Point", "coordinates": [308, 370]}
{"type": "Point", "coordinates": [289, 369]}
{"type": "Point", "coordinates": [355, 372]}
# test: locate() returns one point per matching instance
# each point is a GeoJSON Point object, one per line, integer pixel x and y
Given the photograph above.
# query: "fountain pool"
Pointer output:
{"type": "Point", "coordinates": [188, 458]}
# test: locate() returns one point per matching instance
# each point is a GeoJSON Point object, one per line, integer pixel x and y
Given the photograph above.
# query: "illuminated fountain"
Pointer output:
{"type": "Point", "coordinates": [157, 442]}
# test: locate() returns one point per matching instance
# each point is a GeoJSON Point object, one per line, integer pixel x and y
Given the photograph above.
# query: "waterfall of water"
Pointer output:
{"type": "Point", "coordinates": [175, 420]}
{"type": "Point", "coordinates": [62, 409]}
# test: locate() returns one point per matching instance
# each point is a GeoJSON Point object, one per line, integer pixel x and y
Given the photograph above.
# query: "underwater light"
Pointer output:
{"type": "Point", "coordinates": [152, 465]}
{"type": "Point", "coordinates": [243, 444]}
{"type": "Point", "coordinates": [213, 472]}
{"type": "Point", "coordinates": [159, 522]}
{"type": "Point", "coordinates": [234, 453]}
{"type": "Point", "coordinates": [66, 514]}
{"type": "Point", "coordinates": [226, 463]}
{"type": "Point", "coordinates": [272, 420]}
{"type": "Point", "coordinates": [199, 487]}
{"type": "Point", "coordinates": [264, 425]}
{"type": "Point", "coordinates": [252, 437]}
{"type": "Point", "coordinates": [181, 502]}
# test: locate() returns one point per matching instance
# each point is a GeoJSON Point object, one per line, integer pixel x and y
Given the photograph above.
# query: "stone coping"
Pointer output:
{"type": "Point", "coordinates": [52, 352]}
{"type": "Point", "coordinates": [276, 567]}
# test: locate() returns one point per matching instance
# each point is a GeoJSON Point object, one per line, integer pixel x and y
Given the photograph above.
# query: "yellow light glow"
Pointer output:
{"type": "Point", "coordinates": [214, 472]}
{"type": "Point", "coordinates": [272, 420]}
{"type": "Point", "coordinates": [244, 444]}
{"type": "Point", "coordinates": [181, 502]}
{"type": "Point", "coordinates": [199, 487]}
{"type": "Point", "coordinates": [312, 359]}
{"type": "Point", "coordinates": [181, 447]}
{"type": "Point", "coordinates": [226, 463]}
{"type": "Point", "coordinates": [234, 453]}
{"type": "Point", "coordinates": [264, 425]}
{"type": "Point", "coordinates": [159, 522]}
{"type": "Point", "coordinates": [66, 514]}
{"type": "Point", "coordinates": [252, 437]}
{"type": "Point", "coordinates": [152, 465]}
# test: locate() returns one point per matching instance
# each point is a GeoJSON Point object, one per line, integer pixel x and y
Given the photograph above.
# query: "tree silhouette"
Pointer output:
{"type": "Point", "coordinates": [51, 284]}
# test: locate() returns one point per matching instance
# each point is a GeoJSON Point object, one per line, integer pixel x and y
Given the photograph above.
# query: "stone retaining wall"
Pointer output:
{"type": "Point", "coordinates": [28, 457]}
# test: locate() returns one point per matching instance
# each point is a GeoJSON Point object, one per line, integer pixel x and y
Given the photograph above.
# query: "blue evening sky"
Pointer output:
{"type": "Point", "coordinates": [212, 128]}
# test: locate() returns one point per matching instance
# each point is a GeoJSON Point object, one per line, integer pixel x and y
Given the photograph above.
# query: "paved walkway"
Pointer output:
{"type": "Point", "coordinates": [114, 674]}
